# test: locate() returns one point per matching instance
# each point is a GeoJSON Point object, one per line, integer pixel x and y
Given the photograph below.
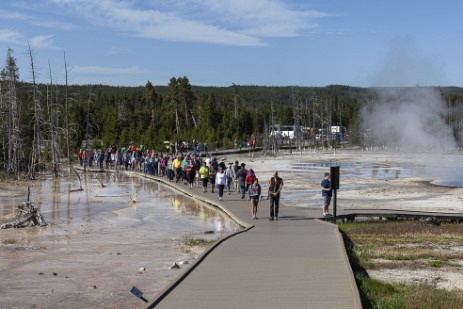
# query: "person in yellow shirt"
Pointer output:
{"type": "Point", "coordinates": [204, 175]}
{"type": "Point", "coordinates": [177, 167]}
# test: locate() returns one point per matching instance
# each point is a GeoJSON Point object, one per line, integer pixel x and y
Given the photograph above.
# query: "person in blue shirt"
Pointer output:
{"type": "Point", "coordinates": [326, 194]}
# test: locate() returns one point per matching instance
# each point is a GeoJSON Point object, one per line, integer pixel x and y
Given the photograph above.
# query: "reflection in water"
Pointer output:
{"type": "Point", "coordinates": [208, 215]}
{"type": "Point", "coordinates": [113, 205]}
{"type": "Point", "coordinates": [98, 239]}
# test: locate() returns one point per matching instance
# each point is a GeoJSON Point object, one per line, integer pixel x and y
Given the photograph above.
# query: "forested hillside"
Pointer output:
{"type": "Point", "coordinates": [38, 120]}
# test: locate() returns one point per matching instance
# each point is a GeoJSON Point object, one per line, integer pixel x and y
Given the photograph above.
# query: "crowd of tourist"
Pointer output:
{"type": "Point", "coordinates": [192, 169]}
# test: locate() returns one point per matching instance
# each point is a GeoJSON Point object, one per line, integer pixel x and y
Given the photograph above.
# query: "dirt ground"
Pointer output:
{"type": "Point", "coordinates": [41, 270]}
{"type": "Point", "coordinates": [99, 244]}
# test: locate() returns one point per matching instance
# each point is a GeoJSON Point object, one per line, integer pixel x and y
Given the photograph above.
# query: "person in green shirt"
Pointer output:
{"type": "Point", "coordinates": [204, 175]}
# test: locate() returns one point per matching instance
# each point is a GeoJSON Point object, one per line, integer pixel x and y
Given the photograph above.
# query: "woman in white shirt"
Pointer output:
{"type": "Point", "coordinates": [220, 179]}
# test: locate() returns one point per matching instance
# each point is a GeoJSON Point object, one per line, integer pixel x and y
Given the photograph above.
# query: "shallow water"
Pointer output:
{"type": "Point", "coordinates": [97, 240]}
{"type": "Point", "coordinates": [356, 175]}
{"type": "Point", "coordinates": [366, 170]}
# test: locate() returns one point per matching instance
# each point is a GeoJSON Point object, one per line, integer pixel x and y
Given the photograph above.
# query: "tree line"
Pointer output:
{"type": "Point", "coordinates": [44, 125]}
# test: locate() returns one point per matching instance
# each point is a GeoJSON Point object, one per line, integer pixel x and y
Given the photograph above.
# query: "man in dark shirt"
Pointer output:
{"type": "Point", "coordinates": [241, 176]}
{"type": "Point", "coordinates": [275, 186]}
{"type": "Point", "coordinates": [236, 167]}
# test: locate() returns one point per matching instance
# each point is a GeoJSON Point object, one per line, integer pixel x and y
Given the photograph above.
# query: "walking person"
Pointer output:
{"type": "Point", "coordinates": [220, 179]}
{"type": "Point", "coordinates": [229, 176]}
{"type": "Point", "coordinates": [326, 194]}
{"type": "Point", "coordinates": [212, 173]}
{"type": "Point", "coordinates": [236, 167]}
{"type": "Point", "coordinates": [249, 180]}
{"type": "Point", "coordinates": [204, 175]}
{"type": "Point", "coordinates": [177, 167]}
{"type": "Point", "coordinates": [241, 176]}
{"type": "Point", "coordinates": [255, 191]}
{"type": "Point", "coordinates": [191, 173]}
{"type": "Point", "coordinates": [274, 190]}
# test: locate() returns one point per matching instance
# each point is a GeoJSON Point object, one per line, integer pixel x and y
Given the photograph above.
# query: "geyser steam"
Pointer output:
{"type": "Point", "coordinates": [409, 118]}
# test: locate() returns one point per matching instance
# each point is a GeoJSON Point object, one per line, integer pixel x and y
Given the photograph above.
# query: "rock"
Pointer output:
{"type": "Point", "coordinates": [175, 266]}
{"type": "Point", "coordinates": [141, 270]}
{"type": "Point", "coordinates": [183, 262]}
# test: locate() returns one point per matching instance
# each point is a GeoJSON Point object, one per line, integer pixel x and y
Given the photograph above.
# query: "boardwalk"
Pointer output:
{"type": "Point", "coordinates": [296, 262]}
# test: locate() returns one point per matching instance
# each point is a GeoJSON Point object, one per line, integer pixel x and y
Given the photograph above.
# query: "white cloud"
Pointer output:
{"type": "Point", "coordinates": [42, 41]}
{"type": "Point", "coordinates": [263, 18]}
{"type": "Point", "coordinates": [42, 22]}
{"type": "Point", "coordinates": [9, 36]}
{"type": "Point", "coordinates": [4, 14]}
{"type": "Point", "coordinates": [229, 22]}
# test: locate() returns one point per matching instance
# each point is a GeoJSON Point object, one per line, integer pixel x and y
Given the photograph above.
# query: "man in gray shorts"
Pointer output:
{"type": "Point", "coordinates": [326, 194]}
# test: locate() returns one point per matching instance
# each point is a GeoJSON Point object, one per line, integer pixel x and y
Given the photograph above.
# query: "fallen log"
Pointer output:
{"type": "Point", "coordinates": [26, 215]}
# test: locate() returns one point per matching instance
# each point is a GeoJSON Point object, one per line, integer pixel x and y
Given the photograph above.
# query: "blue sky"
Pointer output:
{"type": "Point", "coordinates": [245, 42]}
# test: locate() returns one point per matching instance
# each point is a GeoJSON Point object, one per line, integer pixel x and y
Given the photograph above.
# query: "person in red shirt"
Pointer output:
{"type": "Point", "coordinates": [249, 180]}
{"type": "Point", "coordinates": [80, 156]}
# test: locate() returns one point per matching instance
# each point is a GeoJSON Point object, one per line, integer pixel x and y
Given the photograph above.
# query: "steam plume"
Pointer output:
{"type": "Point", "coordinates": [410, 118]}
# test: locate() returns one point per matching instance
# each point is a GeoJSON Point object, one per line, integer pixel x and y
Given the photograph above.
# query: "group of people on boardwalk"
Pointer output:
{"type": "Point", "coordinates": [193, 169]}
{"type": "Point", "coordinates": [237, 178]}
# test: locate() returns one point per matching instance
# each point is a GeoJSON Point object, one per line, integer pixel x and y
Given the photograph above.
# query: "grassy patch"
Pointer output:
{"type": "Point", "coordinates": [403, 241]}
{"type": "Point", "coordinates": [402, 244]}
{"type": "Point", "coordinates": [9, 241]}
{"type": "Point", "coordinates": [437, 263]}
{"type": "Point", "coordinates": [377, 294]}
{"type": "Point", "coordinates": [191, 241]}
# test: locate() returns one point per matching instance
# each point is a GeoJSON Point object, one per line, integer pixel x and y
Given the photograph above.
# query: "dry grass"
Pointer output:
{"type": "Point", "coordinates": [405, 241]}
{"type": "Point", "coordinates": [404, 244]}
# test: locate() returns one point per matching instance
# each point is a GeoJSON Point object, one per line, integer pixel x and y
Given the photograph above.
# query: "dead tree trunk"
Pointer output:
{"type": "Point", "coordinates": [80, 182]}
{"type": "Point", "coordinates": [53, 131]}
{"type": "Point", "coordinates": [26, 215]}
{"type": "Point", "coordinates": [66, 107]}
{"type": "Point", "coordinates": [35, 151]}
